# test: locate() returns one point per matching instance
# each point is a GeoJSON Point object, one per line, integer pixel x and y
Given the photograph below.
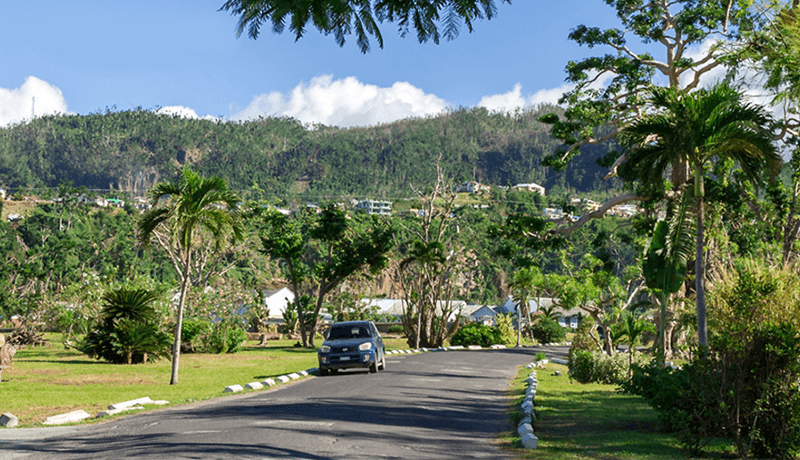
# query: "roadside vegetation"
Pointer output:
{"type": "Point", "coordinates": [589, 421]}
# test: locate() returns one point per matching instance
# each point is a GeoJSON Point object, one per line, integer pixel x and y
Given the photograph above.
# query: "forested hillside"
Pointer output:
{"type": "Point", "coordinates": [132, 150]}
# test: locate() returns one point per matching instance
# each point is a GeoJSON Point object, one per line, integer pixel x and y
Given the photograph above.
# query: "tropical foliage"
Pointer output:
{"type": "Point", "coordinates": [129, 330]}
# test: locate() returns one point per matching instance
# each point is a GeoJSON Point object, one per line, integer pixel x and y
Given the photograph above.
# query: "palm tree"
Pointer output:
{"type": "Point", "coordinates": [631, 327]}
{"type": "Point", "coordinates": [698, 128]}
{"type": "Point", "coordinates": [190, 205]}
{"type": "Point", "coordinates": [523, 286]}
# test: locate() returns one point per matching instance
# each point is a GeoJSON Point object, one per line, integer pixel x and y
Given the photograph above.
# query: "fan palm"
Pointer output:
{"type": "Point", "coordinates": [698, 128]}
{"type": "Point", "coordinates": [191, 205]}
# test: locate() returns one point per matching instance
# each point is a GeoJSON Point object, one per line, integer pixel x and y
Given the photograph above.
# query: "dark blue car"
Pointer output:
{"type": "Point", "coordinates": [352, 344]}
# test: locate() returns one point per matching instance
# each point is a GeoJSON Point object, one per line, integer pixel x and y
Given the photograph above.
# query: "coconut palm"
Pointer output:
{"type": "Point", "coordinates": [698, 128]}
{"type": "Point", "coordinates": [182, 209]}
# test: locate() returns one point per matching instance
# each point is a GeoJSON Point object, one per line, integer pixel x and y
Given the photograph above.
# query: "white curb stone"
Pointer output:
{"type": "Point", "coordinates": [70, 417]}
{"type": "Point", "coordinates": [9, 420]}
{"type": "Point", "coordinates": [474, 347]}
{"type": "Point", "coordinates": [254, 386]}
{"type": "Point", "coordinates": [303, 373]}
{"type": "Point", "coordinates": [559, 361]}
{"type": "Point", "coordinates": [530, 441]}
{"type": "Point", "coordinates": [525, 428]}
{"type": "Point", "coordinates": [283, 378]}
{"type": "Point", "coordinates": [160, 402]}
{"type": "Point", "coordinates": [268, 382]}
{"type": "Point", "coordinates": [233, 388]}
{"type": "Point", "coordinates": [131, 403]}
{"type": "Point", "coordinates": [294, 376]}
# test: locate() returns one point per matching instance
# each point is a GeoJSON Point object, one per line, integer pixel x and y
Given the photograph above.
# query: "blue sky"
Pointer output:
{"type": "Point", "coordinates": [82, 56]}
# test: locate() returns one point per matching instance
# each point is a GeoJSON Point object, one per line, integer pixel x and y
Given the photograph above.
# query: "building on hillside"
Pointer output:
{"type": "Point", "coordinates": [585, 204]}
{"type": "Point", "coordinates": [471, 187]}
{"type": "Point", "coordinates": [97, 201]}
{"type": "Point", "coordinates": [530, 188]}
{"type": "Point", "coordinates": [553, 213]}
{"type": "Point", "coordinates": [375, 207]}
{"type": "Point", "coordinates": [2, 194]}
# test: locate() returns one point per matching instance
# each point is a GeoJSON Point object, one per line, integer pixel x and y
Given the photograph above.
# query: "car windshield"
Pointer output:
{"type": "Point", "coordinates": [348, 332]}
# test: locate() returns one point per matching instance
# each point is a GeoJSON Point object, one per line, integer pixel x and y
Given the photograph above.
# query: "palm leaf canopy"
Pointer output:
{"type": "Point", "coordinates": [194, 202]}
{"type": "Point", "coordinates": [697, 128]}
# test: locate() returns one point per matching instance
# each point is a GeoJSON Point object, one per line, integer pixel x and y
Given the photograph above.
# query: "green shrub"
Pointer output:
{"type": "Point", "coordinates": [193, 332]}
{"type": "Point", "coordinates": [548, 331]}
{"type": "Point", "coordinates": [225, 338]}
{"type": "Point", "coordinates": [477, 334]}
{"type": "Point", "coordinates": [505, 324]}
{"type": "Point", "coordinates": [395, 329]}
{"type": "Point", "coordinates": [745, 386]}
{"type": "Point", "coordinates": [596, 367]}
{"type": "Point", "coordinates": [129, 330]}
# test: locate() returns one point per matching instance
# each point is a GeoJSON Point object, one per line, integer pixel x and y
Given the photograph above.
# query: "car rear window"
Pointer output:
{"type": "Point", "coordinates": [348, 332]}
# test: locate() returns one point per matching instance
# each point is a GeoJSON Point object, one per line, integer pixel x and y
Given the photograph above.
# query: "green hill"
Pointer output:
{"type": "Point", "coordinates": [131, 150]}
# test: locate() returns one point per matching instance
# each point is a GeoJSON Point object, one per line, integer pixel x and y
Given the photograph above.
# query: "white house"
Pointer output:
{"type": "Point", "coordinates": [375, 207]}
{"type": "Point", "coordinates": [531, 188]}
{"type": "Point", "coordinates": [396, 307]}
{"type": "Point", "coordinates": [277, 300]}
{"type": "Point", "coordinates": [471, 187]}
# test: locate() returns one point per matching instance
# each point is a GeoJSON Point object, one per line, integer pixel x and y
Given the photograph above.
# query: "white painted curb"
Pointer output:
{"type": "Point", "coordinates": [70, 417]}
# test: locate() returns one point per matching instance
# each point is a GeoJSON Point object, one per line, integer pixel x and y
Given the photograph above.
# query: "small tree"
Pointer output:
{"type": "Point", "coordinates": [628, 330]}
{"type": "Point", "coordinates": [429, 271]}
{"type": "Point", "coordinates": [184, 209]}
{"type": "Point", "coordinates": [130, 329]}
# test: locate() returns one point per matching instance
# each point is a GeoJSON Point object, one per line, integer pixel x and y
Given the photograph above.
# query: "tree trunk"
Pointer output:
{"type": "Point", "coordinates": [702, 327]}
{"type": "Point", "coordinates": [176, 346]}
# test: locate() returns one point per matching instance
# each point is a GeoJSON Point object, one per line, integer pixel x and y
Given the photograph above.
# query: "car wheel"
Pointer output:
{"type": "Point", "coordinates": [383, 362]}
{"type": "Point", "coordinates": [373, 368]}
{"type": "Point", "coordinates": [323, 372]}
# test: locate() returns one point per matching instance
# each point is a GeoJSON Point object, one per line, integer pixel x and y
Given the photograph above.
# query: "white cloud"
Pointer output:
{"type": "Point", "coordinates": [35, 97]}
{"type": "Point", "coordinates": [184, 112]}
{"type": "Point", "coordinates": [512, 100]}
{"type": "Point", "coordinates": [505, 102]}
{"type": "Point", "coordinates": [345, 103]}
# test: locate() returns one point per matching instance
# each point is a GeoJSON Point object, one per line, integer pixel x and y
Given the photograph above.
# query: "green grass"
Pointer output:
{"type": "Point", "coordinates": [591, 421]}
{"type": "Point", "coordinates": [46, 381]}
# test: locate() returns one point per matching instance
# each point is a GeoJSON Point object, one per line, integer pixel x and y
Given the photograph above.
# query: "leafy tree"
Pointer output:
{"type": "Point", "coordinates": [699, 128]}
{"type": "Point", "coordinates": [318, 251]}
{"type": "Point", "coordinates": [184, 209]}
{"type": "Point", "coordinates": [343, 17]}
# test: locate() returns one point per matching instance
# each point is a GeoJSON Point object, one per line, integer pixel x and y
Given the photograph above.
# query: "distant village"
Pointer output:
{"type": "Point", "coordinates": [369, 206]}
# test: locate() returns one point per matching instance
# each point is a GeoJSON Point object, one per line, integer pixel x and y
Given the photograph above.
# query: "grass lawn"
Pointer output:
{"type": "Point", "coordinates": [47, 381]}
{"type": "Point", "coordinates": [592, 421]}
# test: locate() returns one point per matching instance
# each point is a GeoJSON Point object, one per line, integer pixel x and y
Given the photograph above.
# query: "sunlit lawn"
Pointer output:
{"type": "Point", "coordinates": [46, 381]}
{"type": "Point", "coordinates": [592, 421]}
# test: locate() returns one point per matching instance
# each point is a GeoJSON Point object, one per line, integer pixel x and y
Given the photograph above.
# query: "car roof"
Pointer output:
{"type": "Point", "coordinates": [351, 323]}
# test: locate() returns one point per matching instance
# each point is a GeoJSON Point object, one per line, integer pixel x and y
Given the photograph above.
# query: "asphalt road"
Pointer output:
{"type": "Point", "coordinates": [438, 405]}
